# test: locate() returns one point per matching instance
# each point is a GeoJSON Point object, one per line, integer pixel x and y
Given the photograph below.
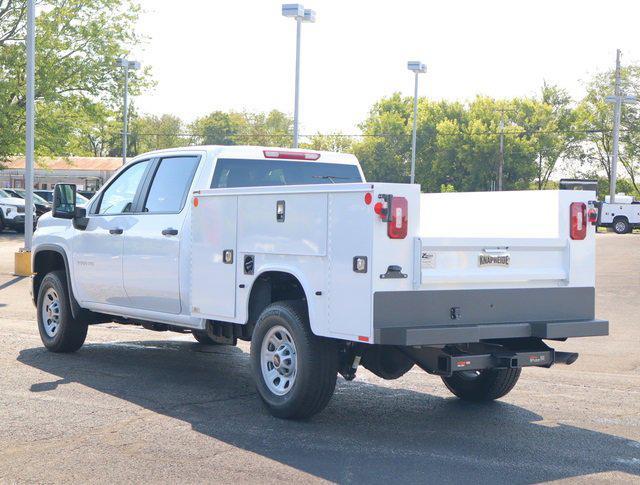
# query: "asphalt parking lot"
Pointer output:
{"type": "Point", "coordinates": [139, 406]}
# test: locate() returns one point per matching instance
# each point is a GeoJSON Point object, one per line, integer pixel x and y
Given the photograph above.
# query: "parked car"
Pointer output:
{"type": "Point", "coordinates": [48, 196]}
{"type": "Point", "coordinates": [42, 205]}
{"type": "Point", "coordinates": [87, 194]}
{"type": "Point", "coordinates": [45, 194]}
{"type": "Point", "coordinates": [322, 271]}
{"type": "Point", "coordinates": [11, 212]}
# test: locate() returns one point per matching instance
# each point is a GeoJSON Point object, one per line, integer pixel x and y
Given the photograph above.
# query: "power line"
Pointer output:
{"type": "Point", "coordinates": [381, 135]}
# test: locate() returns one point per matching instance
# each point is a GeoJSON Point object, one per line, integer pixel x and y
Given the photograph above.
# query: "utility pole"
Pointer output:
{"type": "Point", "coordinates": [618, 99]}
{"type": "Point", "coordinates": [300, 14]}
{"type": "Point", "coordinates": [31, 120]}
{"type": "Point", "coordinates": [127, 65]}
{"type": "Point", "coordinates": [417, 68]}
{"type": "Point", "coordinates": [23, 257]}
{"type": "Point", "coordinates": [125, 114]}
{"type": "Point", "coordinates": [501, 161]}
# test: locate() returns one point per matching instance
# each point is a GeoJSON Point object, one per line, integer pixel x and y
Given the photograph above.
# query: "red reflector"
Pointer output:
{"type": "Point", "coordinates": [368, 198]}
{"type": "Point", "coordinates": [195, 202]}
{"type": "Point", "coordinates": [362, 338]}
{"type": "Point", "coordinates": [377, 208]}
{"type": "Point", "coordinates": [291, 155]}
{"type": "Point", "coordinates": [578, 216]}
{"type": "Point", "coordinates": [398, 218]}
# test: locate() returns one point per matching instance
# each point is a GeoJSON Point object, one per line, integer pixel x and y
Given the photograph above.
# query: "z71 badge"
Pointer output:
{"type": "Point", "coordinates": [494, 260]}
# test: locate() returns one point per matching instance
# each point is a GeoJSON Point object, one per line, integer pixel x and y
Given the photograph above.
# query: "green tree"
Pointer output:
{"type": "Point", "coordinates": [595, 121]}
{"type": "Point", "coordinates": [335, 142]}
{"type": "Point", "coordinates": [219, 128]}
{"type": "Point", "coordinates": [77, 42]}
{"type": "Point", "coordinates": [150, 132]}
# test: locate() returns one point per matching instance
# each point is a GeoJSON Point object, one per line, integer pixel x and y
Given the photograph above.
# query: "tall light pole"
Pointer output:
{"type": "Point", "coordinates": [618, 99]}
{"type": "Point", "coordinates": [298, 12]}
{"type": "Point", "coordinates": [417, 68]}
{"type": "Point", "coordinates": [22, 258]}
{"type": "Point", "coordinates": [30, 125]}
{"type": "Point", "coordinates": [126, 65]}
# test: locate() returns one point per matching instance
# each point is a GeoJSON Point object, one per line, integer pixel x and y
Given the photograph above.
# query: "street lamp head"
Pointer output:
{"type": "Point", "coordinates": [417, 67]}
{"type": "Point", "coordinates": [309, 16]}
{"type": "Point", "coordinates": [124, 62]}
{"type": "Point", "coordinates": [294, 10]}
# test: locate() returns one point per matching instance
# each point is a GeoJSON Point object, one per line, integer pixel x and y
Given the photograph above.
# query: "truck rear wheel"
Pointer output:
{"type": "Point", "coordinates": [59, 330]}
{"type": "Point", "coordinates": [294, 370]}
{"type": "Point", "coordinates": [482, 385]}
{"type": "Point", "coordinates": [621, 225]}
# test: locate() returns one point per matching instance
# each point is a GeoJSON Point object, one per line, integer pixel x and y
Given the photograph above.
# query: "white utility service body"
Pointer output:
{"type": "Point", "coordinates": [547, 285]}
{"type": "Point", "coordinates": [623, 215]}
{"type": "Point", "coordinates": [320, 270]}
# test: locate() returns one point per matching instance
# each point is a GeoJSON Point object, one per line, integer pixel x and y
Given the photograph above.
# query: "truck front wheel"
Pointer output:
{"type": "Point", "coordinates": [294, 370]}
{"type": "Point", "coordinates": [59, 330]}
{"type": "Point", "coordinates": [482, 385]}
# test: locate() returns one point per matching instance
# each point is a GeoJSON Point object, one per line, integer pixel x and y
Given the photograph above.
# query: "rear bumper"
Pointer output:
{"type": "Point", "coordinates": [438, 317]}
{"type": "Point", "coordinates": [459, 334]}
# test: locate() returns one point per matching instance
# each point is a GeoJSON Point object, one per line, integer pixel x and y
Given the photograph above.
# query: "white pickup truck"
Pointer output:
{"type": "Point", "coordinates": [320, 270]}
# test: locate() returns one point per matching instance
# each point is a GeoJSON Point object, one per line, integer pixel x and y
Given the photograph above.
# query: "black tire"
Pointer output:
{"type": "Point", "coordinates": [484, 385]}
{"type": "Point", "coordinates": [621, 225]}
{"type": "Point", "coordinates": [316, 363]}
{"type": "Point", "coordinates": [1, 222]}
{"type": "Point", "coordinates": [202, 337]}
{"type": "Point", "coordinates": [71, 332]}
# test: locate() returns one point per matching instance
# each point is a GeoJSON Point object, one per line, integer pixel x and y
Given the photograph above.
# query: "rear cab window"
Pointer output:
{"type": "Point", "coordinates": [232, 172]}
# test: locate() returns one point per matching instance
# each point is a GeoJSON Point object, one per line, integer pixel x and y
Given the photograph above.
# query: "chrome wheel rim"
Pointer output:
{"type": "Point", "coordinates": [51, 312]}
{"type": "Point", "coordinates": [278, 360]}
{"type": "Point", "coordinates": [620, 226]}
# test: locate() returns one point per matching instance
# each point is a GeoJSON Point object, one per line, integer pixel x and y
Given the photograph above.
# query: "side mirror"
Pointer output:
{"type": "Point", "coordinates": [64, 201]}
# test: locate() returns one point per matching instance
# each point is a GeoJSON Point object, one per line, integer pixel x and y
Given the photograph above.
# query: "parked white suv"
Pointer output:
{"type": "Point", "coordinates": [11, 212]}
{"type": "Point", "coordinates": [321, 270]}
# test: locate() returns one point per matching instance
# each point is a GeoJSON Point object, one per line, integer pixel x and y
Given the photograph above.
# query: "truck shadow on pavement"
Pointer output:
{"type": "Point", "coordinates": [368, 433]}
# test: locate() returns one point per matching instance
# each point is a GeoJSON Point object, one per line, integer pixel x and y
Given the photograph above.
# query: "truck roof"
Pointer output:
{"type": "Point", "coordinates": [258, 153]}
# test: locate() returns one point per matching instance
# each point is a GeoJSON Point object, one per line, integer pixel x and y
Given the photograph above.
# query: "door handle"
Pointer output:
{"type": "Point", "coordinates": [169, 231]}
{"type": "Point", "coordinates": [115, 231]}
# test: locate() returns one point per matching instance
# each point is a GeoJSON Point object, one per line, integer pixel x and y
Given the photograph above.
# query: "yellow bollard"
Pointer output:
{"type": "Point", "coordinates": [22, 263]}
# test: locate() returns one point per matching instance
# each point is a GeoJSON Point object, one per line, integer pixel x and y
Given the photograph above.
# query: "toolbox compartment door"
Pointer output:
{"type": "Point", "coordinates": [213, 280]}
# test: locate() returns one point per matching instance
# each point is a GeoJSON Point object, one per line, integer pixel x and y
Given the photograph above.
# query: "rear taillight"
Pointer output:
{"type": "Point", "coordinates": [592, 213]}
{"type": "Point", "coordinates": [578, 220]}
{"type": "Point", "coordinates": [395, 212]}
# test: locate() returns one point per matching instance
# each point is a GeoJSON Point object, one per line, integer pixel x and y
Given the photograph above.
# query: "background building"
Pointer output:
{"type": "Point", "coordinates": [88, 173]}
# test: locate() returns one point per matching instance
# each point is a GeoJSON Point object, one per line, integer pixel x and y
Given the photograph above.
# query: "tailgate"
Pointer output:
{"type": "Point", "coordinates": [505, 262]}
{"type": "Point", "coordinates": [502, 240]}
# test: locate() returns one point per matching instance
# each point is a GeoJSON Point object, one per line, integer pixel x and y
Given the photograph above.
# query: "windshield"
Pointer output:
{"type": "Point", "coordinates": [81, 199]}
{"type": "Point", "coordinates": [261, 173]}
{"type": "Point", "coordinates": [4, 194]}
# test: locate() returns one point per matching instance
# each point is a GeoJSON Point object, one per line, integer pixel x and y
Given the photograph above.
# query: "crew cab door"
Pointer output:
{"type": "Point", "coordinates": [97, 250]}
{"type": "Point", "coordinates": [151, 252]}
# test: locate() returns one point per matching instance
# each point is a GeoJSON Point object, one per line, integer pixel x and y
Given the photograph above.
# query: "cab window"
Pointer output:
{"type": "Point", "coordinates": [119, 196]}
{"type": "Point", "coordinates": [263, 173]}
{"type": "Point", "coordinates": [170, 185]}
